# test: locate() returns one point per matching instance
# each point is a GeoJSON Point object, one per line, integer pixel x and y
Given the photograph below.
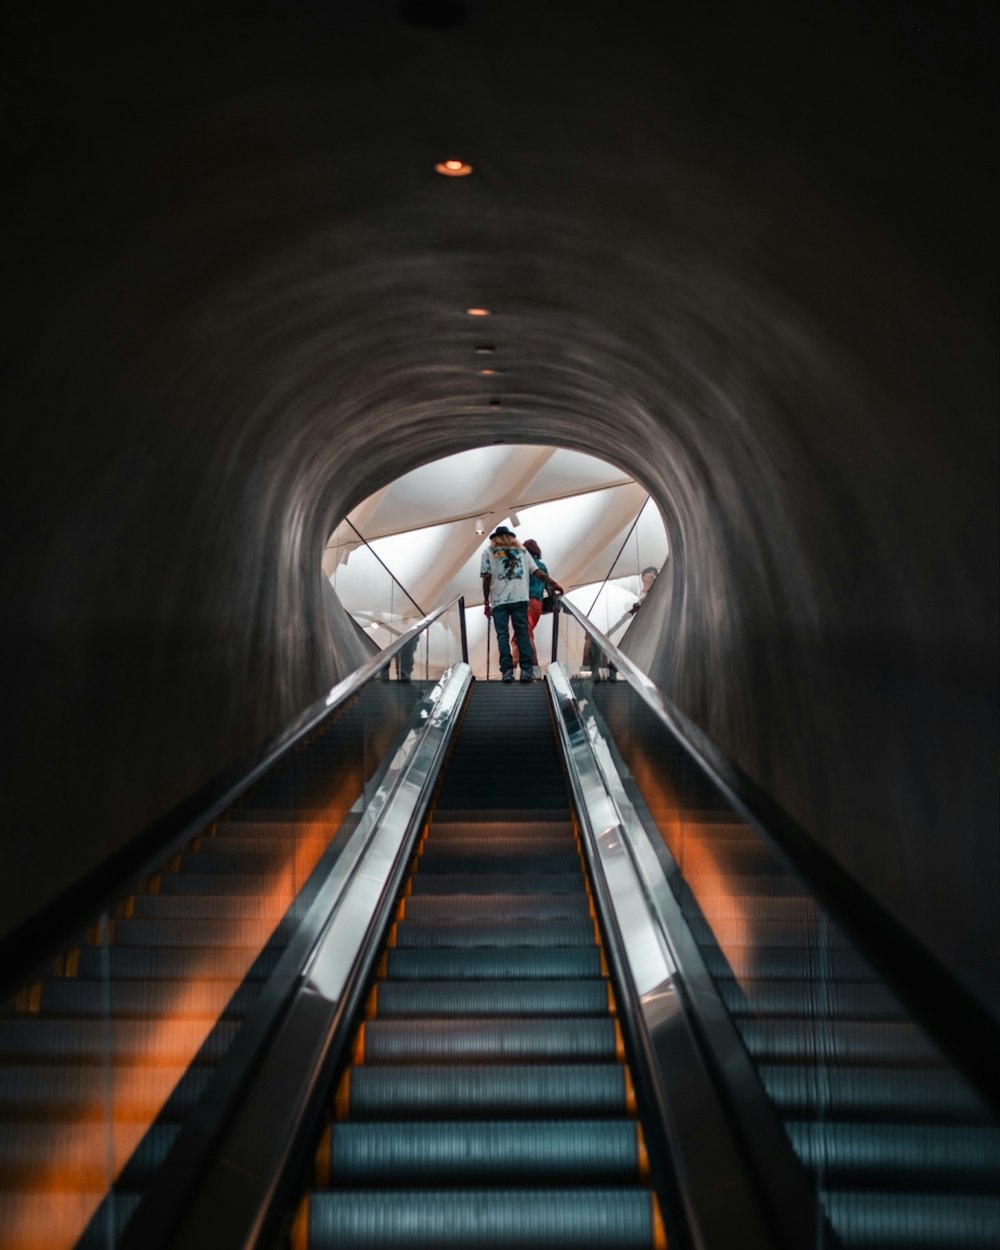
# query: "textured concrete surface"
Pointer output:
{"type": "Point", "coordinates": [747, 252]}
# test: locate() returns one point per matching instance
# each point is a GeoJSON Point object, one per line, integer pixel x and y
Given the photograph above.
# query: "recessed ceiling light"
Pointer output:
{"type": "Point", "coordinates": [488, 373]}
{"type": "Point", "coordinates": [478, 312]}
{"type": "Point", "coordinates": [485, 347]}
{"type": "Point", "coordinates": [454, 168]}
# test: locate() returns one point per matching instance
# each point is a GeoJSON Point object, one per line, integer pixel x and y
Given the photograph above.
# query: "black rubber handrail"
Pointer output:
{"type": "Point", "coordinates": [31, 946]}
{"type": "Point", "coordinates": [964, 1029]}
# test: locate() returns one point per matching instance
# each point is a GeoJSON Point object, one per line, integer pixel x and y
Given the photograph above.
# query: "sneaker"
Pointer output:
{"type": "Point", "coordinates": [526, 681]}
{"type": "Point", "coordinates": [507, 678]}
{"type": "Point", "coordinates": [536, 672]}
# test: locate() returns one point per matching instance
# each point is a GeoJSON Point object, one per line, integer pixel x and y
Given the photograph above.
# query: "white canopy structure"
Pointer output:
{"type": "Point", "coordinates": [416, 543]}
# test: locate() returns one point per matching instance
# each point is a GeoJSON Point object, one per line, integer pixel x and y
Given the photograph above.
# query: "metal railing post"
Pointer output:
{"type": "Point", "coordinates": [461, 625]}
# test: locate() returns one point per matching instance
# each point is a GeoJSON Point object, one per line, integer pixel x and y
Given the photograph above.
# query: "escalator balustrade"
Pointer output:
{"type": "Point", "coordinates": [487, 1101]}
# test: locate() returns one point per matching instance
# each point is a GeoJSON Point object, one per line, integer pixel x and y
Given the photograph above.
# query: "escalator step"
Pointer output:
{"type": "Point", "coordinates": [251, 814]}
{"type": "Point", "coordinates": [490, 998]}
{"type": "Point", "coordinates": [498, 846]}
{"type": "Point", "coordinates": [795, 1041]}
{"type": "Point", "coordinates": [752, 909]}
{"type": "Point", "coordinates": [192, 933]}
{"type": "Point", "coordinates": [427, 907]}
{"type": "Point", "coordinates": [190, 881]}
{"type": "Point", "coordinates": [786, 963]}
{"type": "Point", "coordinates": [249, 847]}
{"type": "Point", "coordinates": [934, 1095]}
{"type": "Point", "coordinates": [282, 829]}
{"type": "Point", "coordinates": [226, 964]}
{"type": "Point", "coordinates": [271, 906]}
{"type": "Point", "coordinates": [847, 1000]}
{"type": "Point", "coordinates": [32, 1225]}
{"type": "Point", "coordinates": [79, 1154]}
{"type": "Point", "coordinates": [531, 1219]}
{"type": "Point", "coordinates": [892, 1221]}
{"type": "Point", "coordinates": [127, 1042]}
{"type": "Point", "coordinates": [433, 865]}
{"type": "Point", "coordinates": [410, 933]}
{"type": "Point", "coordinates": [479, 1040]}
{"type": "Point", "coordinates": [497, 883]}
{"type": "Point", "coordinates": [265, 862]}
{"type": "Point", "coordinates": [181, 1000]}
{"type": "Point", "coordinates": [443, 831]}
{"type": "Point", "coordinates": [734, 866]}
{"type": "Point", "coordinates": [47, 1092]}
{"type": "Point", "coordinates": [754, 935]}
{"type": "Point", "coordinates": [488, 961]}
{"type": "Point", "coordinates": [901, 1156]}
{"type": "Point", "coordinates": [445, 813]}
{"type": "Point", "coordinates": [770, 886]}
{"type": "Point", "coordinates": [387, 1092]}
{"type": "Point", "coordinates": [484, 1152]}
{"type": "Point", "coordinates": [495, 801]}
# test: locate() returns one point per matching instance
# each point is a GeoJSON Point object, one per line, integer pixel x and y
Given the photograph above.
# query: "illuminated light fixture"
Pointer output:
{"type": "Point", "coordinates": [483, 348]}
{"type": "Point", "coordinates": [488, 373]}
{"type": "Point", "coordinates": [478, 312]}
{"type": "Point", "coordinates": [480, 525]}
{"type": "Point", "coordinates": [454, 169]}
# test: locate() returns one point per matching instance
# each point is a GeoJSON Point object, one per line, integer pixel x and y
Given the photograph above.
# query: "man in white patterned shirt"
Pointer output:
{"type": "Point", "coordinates": [506, 570]}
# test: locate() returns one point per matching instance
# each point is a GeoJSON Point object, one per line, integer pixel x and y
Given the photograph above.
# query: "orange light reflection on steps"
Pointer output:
{"type": "Point", "coordinates": [74, 1163]}
{"type": "Point", "coordinates": [690, 841]}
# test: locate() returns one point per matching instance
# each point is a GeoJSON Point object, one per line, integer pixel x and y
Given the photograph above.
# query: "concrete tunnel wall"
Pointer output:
{"type": "Point", "coordinates": [759, 282]}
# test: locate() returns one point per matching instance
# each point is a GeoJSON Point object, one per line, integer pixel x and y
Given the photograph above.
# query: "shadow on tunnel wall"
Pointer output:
{"type": "Point", "coordinates": [761, 283]}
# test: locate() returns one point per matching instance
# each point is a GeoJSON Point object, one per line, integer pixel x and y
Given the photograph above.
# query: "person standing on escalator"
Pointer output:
{"type": "Point", "coordinates": [506, 569]}
{"type": "Point", "coordinates": [536, 592]}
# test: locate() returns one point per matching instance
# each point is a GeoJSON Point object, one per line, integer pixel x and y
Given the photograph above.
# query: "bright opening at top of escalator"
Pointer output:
{"type": "Point", "coordinates": [416, 543]}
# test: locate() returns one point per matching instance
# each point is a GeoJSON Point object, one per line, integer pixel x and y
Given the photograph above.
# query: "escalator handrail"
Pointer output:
{"type": "Point", "coordinates": [963, 1028]}
{"type": "Point", "coordinates": [28, 949]}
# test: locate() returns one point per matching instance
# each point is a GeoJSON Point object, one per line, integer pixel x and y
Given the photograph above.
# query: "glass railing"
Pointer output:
{"type": "Point", "coordinates": [373, 596]}
{"type": "Point", "coordinates": [901, 1146]}
{"type": "Point", "coordinates": [107, 1048]}
{"type": "Point", "coordinates": [613, 604]}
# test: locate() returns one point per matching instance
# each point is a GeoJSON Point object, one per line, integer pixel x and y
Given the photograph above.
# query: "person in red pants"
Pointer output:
{"type": "Point", "coordinates": [535, 593]}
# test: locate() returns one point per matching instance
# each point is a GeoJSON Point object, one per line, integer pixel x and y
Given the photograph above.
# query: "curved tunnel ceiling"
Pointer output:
{"type": "Point", "coordinates": [746, 252]}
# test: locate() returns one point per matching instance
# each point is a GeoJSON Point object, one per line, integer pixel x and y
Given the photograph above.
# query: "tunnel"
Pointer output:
{"type": "Point", "coordinates": [745, 252]}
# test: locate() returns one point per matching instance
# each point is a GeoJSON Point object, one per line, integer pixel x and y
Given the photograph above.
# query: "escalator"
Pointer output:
{"type": "Point", "coordinates": [106, 1052]}
{"type": "Point", "coordinates": [495, 1067]}
{"type": "Point", "coordinates": [488, 1100]}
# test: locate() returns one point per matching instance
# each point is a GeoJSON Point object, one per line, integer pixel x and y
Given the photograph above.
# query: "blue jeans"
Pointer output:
{"type": "Point", "coordinates": [516, 614]}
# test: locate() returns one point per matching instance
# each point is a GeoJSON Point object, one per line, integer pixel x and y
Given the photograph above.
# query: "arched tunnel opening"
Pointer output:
{"type": "Point", "coordinates": [745, 254]}
{"type": "Point", "coordinates": [418, 541]}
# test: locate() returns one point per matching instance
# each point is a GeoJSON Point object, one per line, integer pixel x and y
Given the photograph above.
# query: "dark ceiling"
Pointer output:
{"type": "Point", "coordinates": [746, 251]}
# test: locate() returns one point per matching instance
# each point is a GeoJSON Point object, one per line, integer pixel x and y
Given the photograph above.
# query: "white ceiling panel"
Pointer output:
{"type": "Point", "coordinates": [421, 532]}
